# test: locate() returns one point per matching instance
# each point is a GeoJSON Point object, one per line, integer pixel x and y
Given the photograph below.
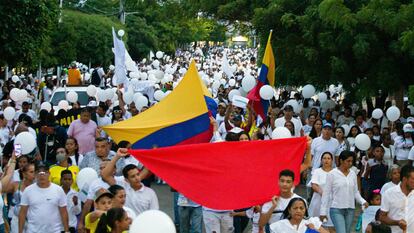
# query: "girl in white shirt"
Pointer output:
{"type": "Point", "coordinates": [340, 193]}
{"type": "Point", "coordinates": [403, 145]}
{"type": "Point", "coordinates": [318, 183]}
{"type": "Point", "coordinates": [294, 219]}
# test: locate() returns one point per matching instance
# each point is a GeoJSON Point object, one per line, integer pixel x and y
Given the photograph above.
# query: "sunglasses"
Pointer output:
{"type": "Point", "coordinates": [117, 111]}
{"type": "Point", "coordinates": [42, 173]}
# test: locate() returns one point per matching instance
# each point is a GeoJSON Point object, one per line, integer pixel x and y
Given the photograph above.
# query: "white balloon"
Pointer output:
{"type": "Point", "coordinates": [91, 90]}
{"type": "Point", "coordinates": [109, 94]}
{"type": "Point", "coordinates": [136, 96]}
{"type": "Point", "coordinates": [14, 94]}
{"type": "Point", "coordinates": [72, 96]}
{"type": "Point", "coordinates": [46, 106]}
{"type": "Point", "coordinates": [156, 64]}
{"type": "Point", "coordinates": [159, 54]}
{"type": "Point", "coordinates": [377, 113]}
{"type": "Point", "coordinates": [158, 95]}
{"type": "Point", "coordinates": [85, 177]}
{"type": "Point", "coordinates": [27, 142]}
{"type": "Point", "coordinates": [393, 113]}
{"type": "Point", "coordinates": [9, 113]}
{"type": "Point", "coordinates": [294, 105]}
{"type": "Point", "coordinates": [362, 142]}
{"type": "Point", "coordinates": [322, 97]}
{"type": "Point", "coordinates": [159, 74]}
{"type": "Point", "coordinates": [15, 78]}
{"type": "Point", "coordinates": [248, 83]}
{"type": "Point", "coordinates": [63, 104]}
{"type": "Point", "coordinates": [101, 95]}
{"type": "Point", "coordinates": [232, 82]}
{"type": "Point", "coordinates": [141, 102]}
{"type": "Point", "coordinates": [233, 93]}
{"type": "Point", "coordinates": [346, 129]}
{"type": "Point", "coordinates": [121, 32]}
{"type": "Point", "coordinates": [308, 91]}
{"type": "Point", "coordinates": [266, 92]}
{"type": "Point", "coordinates": [128, 97]}
{"type": "Point", "coordinates": [112, 67]}
{"type": "Point", "coordinates": [152, 221]}
{"type": "Point", "coordinates": [22, 95]}
{"type": "Point", "coordinates": [144, 76]}
{"type": "Point", "coordinates": [281, 132]}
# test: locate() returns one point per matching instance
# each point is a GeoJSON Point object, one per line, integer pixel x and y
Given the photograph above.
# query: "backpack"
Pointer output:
{"type": "Point", "coordinates": [95, 79]}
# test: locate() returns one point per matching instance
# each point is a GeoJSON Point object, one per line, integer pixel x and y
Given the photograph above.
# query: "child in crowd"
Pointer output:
{"type": "Point", "coordinates": [73, 203]}
{"type": "Point", "coordinates": [103, 202]}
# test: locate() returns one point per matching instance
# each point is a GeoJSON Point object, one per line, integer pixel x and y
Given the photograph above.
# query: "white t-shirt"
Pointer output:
{"type": "Point", "coordinates": [320, 146]}
{"type": "Point", "coordinates": [138, 200]}
{"type": "Point", "coordinates": [43, 213]}
{"type": "Point", "coordinates": [398, 206]}
{"type": "Point", "coordinates": [280, 122]}
{"type": "Point", "coordinates": [411, 154]}
{"type": "Point", "coordinates": [387, 186]}
{"type": "Point", "coordinates": [73, 209]}
{"type": "Point", "coordinates": [255, 219]}
{"type": "Point", "coordinates": [286, 227]}
{"type": "Point", "coordinates": [280, 207]}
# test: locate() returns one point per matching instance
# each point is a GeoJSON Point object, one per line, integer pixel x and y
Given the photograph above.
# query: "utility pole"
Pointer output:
{"type": "Point", "coordinates": [60, 13]}
{"type": "Point", "coordinates": [121, 12]}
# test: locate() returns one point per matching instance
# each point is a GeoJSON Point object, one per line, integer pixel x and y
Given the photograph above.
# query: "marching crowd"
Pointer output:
{"type": "Point", "coordinates": [40, 192]}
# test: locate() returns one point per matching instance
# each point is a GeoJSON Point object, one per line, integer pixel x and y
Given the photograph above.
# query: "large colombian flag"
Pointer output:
{"type": "Point", "coordinates": [266, 77]}
{"type": "Point", "coordinates": [226, 175]}
{"type": "Point", "coordinates": [180, 118]}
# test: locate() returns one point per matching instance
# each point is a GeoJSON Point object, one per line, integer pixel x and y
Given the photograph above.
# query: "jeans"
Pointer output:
{"type": "Point", "coordinates": [342, 219]}
{"type": "Point", "coordinates": [176, 213]}
{"type": "Point", "coordinates": [2, 230]}
{"type": "Point", "coordinates": [191, 219]}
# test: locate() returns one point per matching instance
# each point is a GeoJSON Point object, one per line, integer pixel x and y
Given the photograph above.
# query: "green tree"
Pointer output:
{"type": "Point", "coordinates": [364, 44]}
{"type": "Point", "coordinates": [84, 37]}
{"type": "Point", "coordinates": [25, 30]}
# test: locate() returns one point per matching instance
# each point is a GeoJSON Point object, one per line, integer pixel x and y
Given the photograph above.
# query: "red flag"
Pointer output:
{"type": "Point", "coordinates": [226, 175]}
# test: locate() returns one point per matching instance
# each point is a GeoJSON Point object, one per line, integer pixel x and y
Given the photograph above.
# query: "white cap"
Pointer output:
{"type": "Point", "coordinates": [92, 103]}
{"type": "Point", "coordinates": [408, 128]}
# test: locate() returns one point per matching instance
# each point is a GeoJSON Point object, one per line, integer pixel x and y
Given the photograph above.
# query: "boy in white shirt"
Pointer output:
{"type": "Point", "coordinates": [73, 203]}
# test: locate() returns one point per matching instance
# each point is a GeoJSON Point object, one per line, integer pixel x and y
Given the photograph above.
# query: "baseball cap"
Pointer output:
{"type": "Point", "coordinates": [327, 125]}
{"type": "Point", "coordinates": [92, 103]}
{"type": "Point", "coordinates": [410, 119]}
{"type": "Point", "coordinates": [102, 193]}
{"type": "Point", "coordinates": [408, 128]}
